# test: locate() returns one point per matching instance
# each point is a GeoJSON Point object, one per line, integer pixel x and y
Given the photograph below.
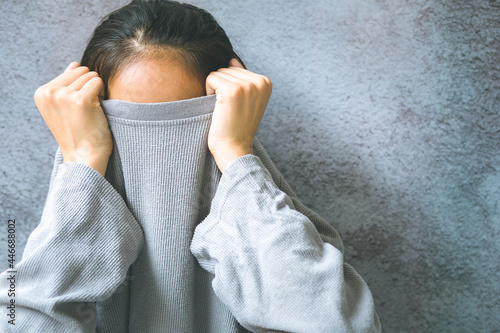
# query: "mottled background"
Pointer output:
{"type": "Point", "coordinates": [384, 118]}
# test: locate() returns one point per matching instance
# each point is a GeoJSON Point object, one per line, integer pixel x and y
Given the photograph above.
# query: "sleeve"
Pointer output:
{"type": "Point", "coordinates": [278, 265]}
{"type": "Point", "coordinates": [78, 254]}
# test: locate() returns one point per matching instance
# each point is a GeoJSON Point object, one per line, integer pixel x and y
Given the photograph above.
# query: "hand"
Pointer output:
{"type": "Point", "coordinates": [242, 98]}
{"type": "Point", "coordinates": [70, 106]}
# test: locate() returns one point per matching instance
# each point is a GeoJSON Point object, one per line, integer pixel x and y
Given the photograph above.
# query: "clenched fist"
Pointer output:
{"type": "Point", "coordinates": [70, 106]}
{"type": "Point", "coordinates": [242, 98]}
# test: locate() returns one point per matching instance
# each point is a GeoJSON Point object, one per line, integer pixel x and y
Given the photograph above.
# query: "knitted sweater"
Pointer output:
{"type": "Point", "coordinates": [166, 243]}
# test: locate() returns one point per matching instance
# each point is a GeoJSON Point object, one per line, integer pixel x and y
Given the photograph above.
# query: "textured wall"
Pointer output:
{"type": "Point", "coordinates": [384, 119]}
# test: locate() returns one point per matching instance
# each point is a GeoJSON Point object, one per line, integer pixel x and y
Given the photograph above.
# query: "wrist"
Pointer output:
{"type": "Point", "coordinates": [225, 156]}
{"type": "Point", "coordinates": [99, 162]}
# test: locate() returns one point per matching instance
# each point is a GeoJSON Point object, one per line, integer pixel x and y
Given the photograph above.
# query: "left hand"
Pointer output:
{"type": "Point", "coordinates": [242, 98]}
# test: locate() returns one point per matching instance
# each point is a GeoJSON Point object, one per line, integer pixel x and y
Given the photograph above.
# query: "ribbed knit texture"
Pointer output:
{"type": "Point", "coordinates": [161, 165]}
{"type": "Point", "coordinates": [166, 243]}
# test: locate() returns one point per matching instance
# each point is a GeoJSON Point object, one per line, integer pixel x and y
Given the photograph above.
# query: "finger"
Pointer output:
{"type": "Point", "coordinates": [93, 87]}
{"type": "Point", "coordinates": [229, 76]}
{"type": "Point", "coordinates": [82, 80]}
{"type": "Point", "coordinates": [73, 65]}
{"type": "Point", "coordinates": [67, 78]}
{"type": "Point", "coordinates": [243, 73]}
{"type": "Point", "coordinates": [214, 81]}
{"type": "Point", "coordinates": [245, 76]}
{"type": "Point", "coordinates": [239, 73]}
{"type": "Point", "coordinates": [209, 86]}
{"type": "Point", "coordinates": [235, 63]}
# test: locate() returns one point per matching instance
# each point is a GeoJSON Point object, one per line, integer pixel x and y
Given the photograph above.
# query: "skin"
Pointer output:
{"type": "Point", "coordinates": [154, 81]}
{"type": "Point", "coordinates": [70, 106]}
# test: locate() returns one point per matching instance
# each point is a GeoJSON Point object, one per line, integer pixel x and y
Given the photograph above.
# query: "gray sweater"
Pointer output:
{"type": "Point", "coordinates": [166, 243]}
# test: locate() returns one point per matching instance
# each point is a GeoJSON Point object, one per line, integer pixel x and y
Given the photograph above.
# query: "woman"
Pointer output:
{"type": "Point", "coordinates": [122, 250]}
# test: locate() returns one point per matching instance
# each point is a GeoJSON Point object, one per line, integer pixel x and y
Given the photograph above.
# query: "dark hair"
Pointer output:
{"type": "Point", "coordinates": [148, 28]}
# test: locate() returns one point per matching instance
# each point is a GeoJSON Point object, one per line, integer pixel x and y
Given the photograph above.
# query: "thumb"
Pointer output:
{"type": "Point", "coordinates": [101, 93]}
{"type": "Point", "coordinates": [235, 63]}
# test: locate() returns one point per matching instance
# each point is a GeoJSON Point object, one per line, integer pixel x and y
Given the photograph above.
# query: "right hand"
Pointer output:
{"type": "Point", "coordinates": [70, 106]}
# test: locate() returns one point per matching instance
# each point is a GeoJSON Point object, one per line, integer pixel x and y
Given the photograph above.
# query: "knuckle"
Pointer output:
{"type": "Point", "coordinates": [45, 92]}
{"type": "Point", "coordinates": [211, 74]}
{"type": "Point", "coordinates": [268, 81]}
{"type": "Point", "coordinates": [263, 82]}
{"type": "Point", "coordinates": [79, 100]}
{"type": "Point", "coordinates": [252, 87]}
{"type": "Point", "coordinates": [39, 94]}
{"type": "Point", "coordinates": [209, 78]}
{"type": "Point", "coordinates": [51, 91]}
{"type": "Point", "coordinates": [59, 95]}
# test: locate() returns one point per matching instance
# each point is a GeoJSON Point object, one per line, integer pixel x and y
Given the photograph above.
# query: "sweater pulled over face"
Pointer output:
{"type": "Point", "coordinates": [163, 169]}
{"type": "Point", "coordinates": [166, 243]}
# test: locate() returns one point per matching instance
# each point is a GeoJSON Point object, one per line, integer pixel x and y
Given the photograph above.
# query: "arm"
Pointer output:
{"type": "Point", "coordinates": [277, 264]}
{"type": "Point", "coordinates": [78, 254]}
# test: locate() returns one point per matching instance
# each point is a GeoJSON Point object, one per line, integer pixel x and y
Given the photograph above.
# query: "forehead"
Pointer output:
{"type": "Point", "coordinates": [154, 81]}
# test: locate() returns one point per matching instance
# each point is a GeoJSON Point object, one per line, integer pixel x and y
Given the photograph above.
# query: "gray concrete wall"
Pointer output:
{"type": "Point", "coordinates": [384, 119]}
